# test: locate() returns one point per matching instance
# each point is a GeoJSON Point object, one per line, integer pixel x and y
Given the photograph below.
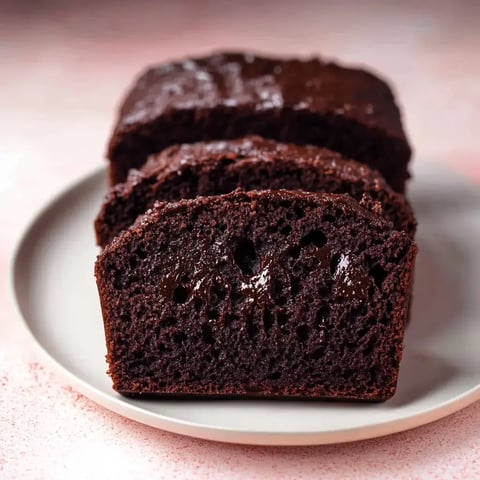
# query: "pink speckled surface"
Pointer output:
{"type": "Point", "coordinates": [62, 71]}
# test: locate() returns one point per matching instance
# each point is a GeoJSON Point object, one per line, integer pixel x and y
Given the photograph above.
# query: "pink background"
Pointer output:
{"type": "Point", "coordinates": [62, 71]}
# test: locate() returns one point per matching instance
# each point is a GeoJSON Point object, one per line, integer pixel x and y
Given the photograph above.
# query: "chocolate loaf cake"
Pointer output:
{"type": "Point", "coordinates": [251, 163]}
{"type": "Point", "coordinates": [230, 95]}
{"type": "Point", "coordinates": [264, 293]}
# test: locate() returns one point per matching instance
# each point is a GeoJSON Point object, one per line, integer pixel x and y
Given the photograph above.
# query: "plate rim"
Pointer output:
{"type": "Point", "coordinates": [114, 402]}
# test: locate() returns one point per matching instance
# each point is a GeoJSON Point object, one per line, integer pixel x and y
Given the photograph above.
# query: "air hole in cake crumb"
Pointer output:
{"type": "Point", "coordinates": [117, 282]}
{"type": "Point", "coordinates": [282, 318]}
{"type": "Point", "coordinates": [169, 322]}
{"type": "Point", "coordinates": [294, 252]}
{"type": "Point", "coordinates": [324, 291]}
{"type": "Point", "coordinates": [133, 262]}
{"type": "Point", "coordinates": [299, 212]}
{"type": "Point", "coordinates": [136, 290]}
{"type": "Point", "coordinates": [141, 253]}
{"type": "Point", "coordinates": [360, 311]}
{"type": "Point", "coordinates": [236, 297]}
{"type": "Point", "coordinates": [281, 301]}
{"type": "Point", "coordinates": [252, 329]}
{"type": "Point", "coordinates": [132, 279]}
{"type": "Point", "coordinates": [180, 294]}
{"type": "Point", "coordinates": [389, 306]}
{"type": "Point", "coordinates": [401, 254]}
{"type": "Point", "coordinates": [219, 292]}
{"type": "Point", "coordinates": [374, 373]}
{"type": "Point", "coordinates": [179, 337]}
{"type": "Point", "coordinates": [245, 256]}
{"type": "Point", "coordinates": [277, 288]}
{"type": "Point", "coordinates": [308, 299]}
{"type": "Point", "coordinates": [322, 315]}
{"type": "Point", "coordinates": [334, 263]}
{"type": "Point", "coordinates": [229, 318]}
{"type": "Point", "coordinates": [275, 376]}
{"type": "Point", "coordinates": [385, 321]}
{"type": "Point", "coordinates": [328, 218]}
{"type": "Point", "coordinates": [207, 334]}
{"type": "Point", "coordinates": [303, 332]}
{"type": "Point", "coordinates": [297, 269]}
{"type": "Point", "coordinates": [379, 274]}
{"type": "Point", "coordinates": [176, 374]}
{"type": "Point", "coordinates": [295, 285]}
{"type": "Point", "coordinates": [317, 353]}
{"type": "Point", "coordinates": [315, 237]}
{"type": "Point", "coordinates": [197, 304]}
{"type": "Point", "coordinates": [212, 314]}
{"type": "Point", "coordinates": [351, 345]}
{"type": "Point", "coordinates": [267, 320]}
{"type": "Point", "coordinates": [286, 230]}
{"type": "Point", "coordinates": [185, 279]}
{"type": "Point", "coordinates": [125, 317]}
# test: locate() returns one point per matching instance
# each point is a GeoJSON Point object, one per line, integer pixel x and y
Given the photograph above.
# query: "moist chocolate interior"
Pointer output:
{"type": "Point", "coordinates": [277, 294]}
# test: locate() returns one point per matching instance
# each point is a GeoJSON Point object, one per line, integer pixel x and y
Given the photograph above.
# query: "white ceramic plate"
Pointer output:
{"type": "Point", "coordinates": [56, 293]}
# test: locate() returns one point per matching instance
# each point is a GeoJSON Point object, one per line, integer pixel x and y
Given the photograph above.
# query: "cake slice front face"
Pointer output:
{"type": "Point", "coordinates": [264, 294]}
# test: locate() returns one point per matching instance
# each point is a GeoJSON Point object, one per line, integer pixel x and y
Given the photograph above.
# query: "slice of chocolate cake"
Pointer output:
{"type": "Point", "coordinates": [230, 95]}
{"type": "Point", "coordinates": [264, 293]}
{"type": "Point", "coordinates": [251, 163]}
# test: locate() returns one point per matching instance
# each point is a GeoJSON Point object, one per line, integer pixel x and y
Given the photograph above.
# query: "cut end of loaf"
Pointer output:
{"type": "Point", "coordinates": [275, 293]}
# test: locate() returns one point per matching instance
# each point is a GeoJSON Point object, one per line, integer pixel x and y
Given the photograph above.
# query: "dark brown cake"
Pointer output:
{"type": "Point", "coordinates": [225, 96]}
{"type": "Point", "coordinates": [251, 163]}
{"type": "Point", "coordinates": [270, 293]}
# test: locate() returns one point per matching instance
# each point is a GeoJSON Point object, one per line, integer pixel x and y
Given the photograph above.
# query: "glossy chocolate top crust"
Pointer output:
{"type": "Point", "coordinates": [227, 95]}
